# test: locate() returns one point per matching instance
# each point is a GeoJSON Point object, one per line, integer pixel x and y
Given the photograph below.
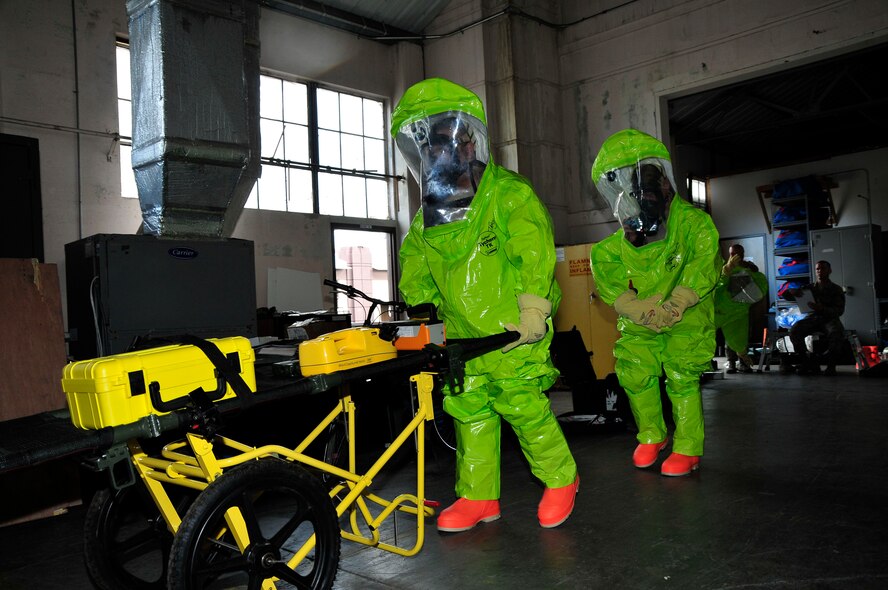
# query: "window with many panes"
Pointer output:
{"type": "Point", "coordinates": [323, 151]}
{"type": "Point", "coordinates": [343, 133]}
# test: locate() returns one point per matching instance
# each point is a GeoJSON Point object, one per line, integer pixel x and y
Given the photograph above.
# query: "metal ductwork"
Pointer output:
{"type": "Point", "coordinates": [195, 89]}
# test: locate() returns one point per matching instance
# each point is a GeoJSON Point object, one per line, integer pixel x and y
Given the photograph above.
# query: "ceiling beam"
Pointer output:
{"type": "Point", "coordinates": [701, 138]}
{"type": "Point", "coordinates": [339, 19]}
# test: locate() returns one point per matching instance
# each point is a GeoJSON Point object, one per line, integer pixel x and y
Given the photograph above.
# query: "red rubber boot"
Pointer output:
{"type": "Point", "coordinates": [557, 504]}
{"type": "Point", "coordinates": [464, 514]}
{"type": "Point", "coordinates": [645, 455]}
{"type": "Point", "coordinates": [677, 464]}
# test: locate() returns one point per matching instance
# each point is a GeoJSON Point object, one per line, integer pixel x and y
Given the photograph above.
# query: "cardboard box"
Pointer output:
{"type": "Point", "coordinates": [32, 355]}
{"type": "Point", "coordinates": [32, 338]}
{"type": "Point", "coordinates": [582, 307]}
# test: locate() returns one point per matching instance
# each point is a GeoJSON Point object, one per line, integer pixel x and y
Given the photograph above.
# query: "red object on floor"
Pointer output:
{"type": "Point", "coordinates": [557, 504]}
{"type": "Point", "coordinates": [645, 454]}
{"type": "Point", "coordinates": [677, 464]}
{"type": "Point", "coordinates": [465, 514]}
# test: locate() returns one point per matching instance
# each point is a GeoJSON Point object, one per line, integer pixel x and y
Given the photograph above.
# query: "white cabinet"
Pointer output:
{"type": "Point", "coordinates": [854, 253]}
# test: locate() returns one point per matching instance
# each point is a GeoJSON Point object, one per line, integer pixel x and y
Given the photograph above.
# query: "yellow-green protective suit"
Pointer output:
{"type": "Point", "coordinates": [688, 256]}
{"type": "Point", "coordinates": [733, 316]}
{"type": "Point", "coordinates": [473, 270]}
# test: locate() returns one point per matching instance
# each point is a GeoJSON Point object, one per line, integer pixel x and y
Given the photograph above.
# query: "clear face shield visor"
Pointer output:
{"type": "Point", "coordinates": [639, 196]}
{"type": "Point", "coordinates": [447, 154]}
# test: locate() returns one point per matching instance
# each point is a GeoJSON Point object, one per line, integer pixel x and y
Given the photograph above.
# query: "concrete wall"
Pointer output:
{"type": "Point", "coordinates": [553, 94]}
{"type": "Point", "coordinates": [58, 70]}
{"type": "Point", "coordinates": [619, 67]}
{"type": "Point", "coordinates": [525, 74]}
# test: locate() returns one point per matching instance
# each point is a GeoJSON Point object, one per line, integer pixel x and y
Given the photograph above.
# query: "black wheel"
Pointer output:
{"type": "Point", "coordinates": [282, 506]}
{"type": "Point", "coordinates": [126, 542]}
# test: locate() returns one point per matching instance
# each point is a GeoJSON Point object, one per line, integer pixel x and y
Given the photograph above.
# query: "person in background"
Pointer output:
{"type": "Point", "coordinates": [658, 271]}
{"type": "Point", "coordinates": [481, 248]}
{"type": "Point", "coordinates": [824, 315]}
{"type": "Point", "coordinates": [740, 285]}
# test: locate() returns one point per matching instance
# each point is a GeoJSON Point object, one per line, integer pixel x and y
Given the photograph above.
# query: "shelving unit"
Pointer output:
{"type": "Point", "coordinates": [810, 200]}
{"type": "Point", "coordinates": [800, 253]}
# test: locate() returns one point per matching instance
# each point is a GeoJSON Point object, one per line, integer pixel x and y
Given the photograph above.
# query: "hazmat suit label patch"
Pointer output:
{"type": "Point", "coordinates": [673, 260]}
{"type": "Point", "coordinates": [488, 243]}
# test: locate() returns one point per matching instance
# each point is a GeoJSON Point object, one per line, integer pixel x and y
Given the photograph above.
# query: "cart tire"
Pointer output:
{"type": "Point", "coordinates": [126, 543]}
{"type": "Point", "coordinates": [282, 505]}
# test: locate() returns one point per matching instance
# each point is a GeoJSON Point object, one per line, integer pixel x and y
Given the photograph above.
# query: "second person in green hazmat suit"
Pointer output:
{"type": "Point", "coordinates": [739, 287]}
{"type": "Point", "coordinates": [481, 249]}
{"type": "Point", "coordinates": [658, 271]}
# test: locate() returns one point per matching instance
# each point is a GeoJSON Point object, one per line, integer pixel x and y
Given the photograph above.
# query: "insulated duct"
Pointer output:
{"type": "Point", "coordinates": [195, 89]}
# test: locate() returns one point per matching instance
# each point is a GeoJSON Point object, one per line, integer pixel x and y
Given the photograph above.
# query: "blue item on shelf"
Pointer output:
{"type": "Point", "coordinates": [781, 293]}
{"type": "Point", "coordinates": [792, 266]}
{"type": "Point", "coordinates": [789, 214]}
{"type": "Point", "coordinates": [789, 238]}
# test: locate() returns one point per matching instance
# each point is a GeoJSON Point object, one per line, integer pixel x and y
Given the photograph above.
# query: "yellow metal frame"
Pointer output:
{"type": "Point", "coordinates": [193, 463]}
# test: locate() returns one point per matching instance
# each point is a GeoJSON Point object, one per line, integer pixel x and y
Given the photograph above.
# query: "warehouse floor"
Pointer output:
{"type": "Point", "coordinates": [791, 494]}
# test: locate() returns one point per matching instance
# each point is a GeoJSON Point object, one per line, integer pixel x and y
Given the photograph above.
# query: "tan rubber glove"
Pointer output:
{"type": "Point", "coordinates": [531, 321]}
{"type": "Point", "coordinates": [672, 310]}
{"type": "Point", "coordinates": [731, 264]}
{"type": "Point", "coordinates": [641, 311]}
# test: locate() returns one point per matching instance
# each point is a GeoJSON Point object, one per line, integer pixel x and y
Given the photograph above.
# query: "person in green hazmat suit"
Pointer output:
{"type": "Point", "coordinates": [739, 287]}
{"type": "Point", "coordinates": [658, 271]}
{"type": "Point", "coordinates": [481, 249]}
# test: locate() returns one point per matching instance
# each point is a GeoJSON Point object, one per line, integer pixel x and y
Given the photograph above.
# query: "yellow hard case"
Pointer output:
{"type": "Point", "coordinates": [344, 349]}
{"type": "Point", "coordinates": [113, 390]}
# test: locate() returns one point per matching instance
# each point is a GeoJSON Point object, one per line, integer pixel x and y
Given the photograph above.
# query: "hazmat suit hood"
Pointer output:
{"type": "Point", "coordinates": [440, 129]}
{"type": "Point", "coordinates": [633, 172]}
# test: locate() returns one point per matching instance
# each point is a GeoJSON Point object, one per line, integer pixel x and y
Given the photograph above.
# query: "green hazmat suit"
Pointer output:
{"type": "Point", "coordinates": [731, 311]}
{"type": "Point", "coordinates": [473, 269]}
{"type": "Point", "coordinates": [686, 256]}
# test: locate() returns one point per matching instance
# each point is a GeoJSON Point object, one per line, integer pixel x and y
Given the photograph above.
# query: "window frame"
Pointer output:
{"type": "Point", "coordinates": [692, 197]}
{"type": "Point", "coordinates": [124, 140]}
{"type": "Point", "coordinates": [313, 165]}
{"type": "Point", "coordinates": [316, 168]}
{"type": "Point", "coordinates": [394, 266]}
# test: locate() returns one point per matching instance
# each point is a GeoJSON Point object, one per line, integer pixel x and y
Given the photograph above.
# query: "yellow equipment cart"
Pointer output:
{"type": "Point", "coordinates": [228, 514]}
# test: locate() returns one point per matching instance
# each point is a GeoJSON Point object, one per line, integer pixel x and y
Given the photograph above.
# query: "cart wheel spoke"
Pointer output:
{"type": "Point", "coordinates": [213, 570]}
{"type": "Point", "coordinates": [248, 511]}
{"type": "Point", "coordinates": [290, 527]}
{"type": "Point", "coordinates": [292, 577]}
